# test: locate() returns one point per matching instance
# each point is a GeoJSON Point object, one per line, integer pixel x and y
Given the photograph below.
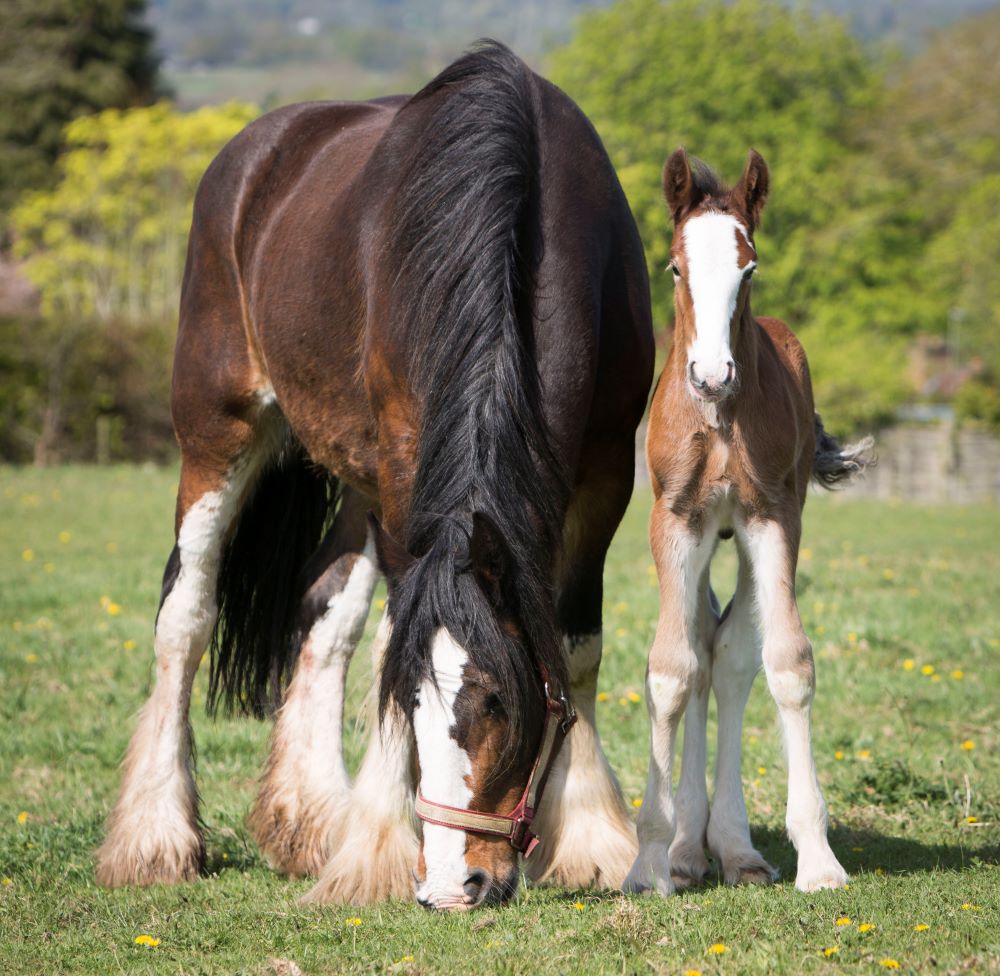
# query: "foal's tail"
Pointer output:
{"type": "Point", "coordinates": [835, 466]}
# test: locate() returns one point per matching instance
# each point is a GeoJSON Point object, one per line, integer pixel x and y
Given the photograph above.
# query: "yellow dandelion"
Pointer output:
{"type": "Point", "coordinates": [909, 664]}
{"type": "Point", "coordinates": [146, 940]}
{"type": "Point", "coordinates": [968, 745]}
{"type": "Point", "coordinates": [838, 755]}
{"type": "Point", "coordinates": [921, 927]}
{"type": "Point", "coordinates": [928, 669]}
{"type": "Point", "coordinates": [967, 906]}
{"type": "Point", "coordinates": [880, 871]}
{"type": "Point", "coordinates": [355, 921]}
{"type": "Point", "coordinates": [830, 951]}
{"type": "Point", "coordinates": [620, 607]}
{"type": "Point", "coordinates": [958, 674]}
{"type": "Point", "coordinates": [852, 638]}
{"type": "Point", "coordinates": [111, 547]}
{"type": "Point", "coordinates": [857, 850]}
{"type": "Point", "coordinates": [407, 958]}
{"type": "Point", "coordinates": [971, 820]}
{"type": "Point", "coordinates": [22, 817]}
{"type": "Point", "coordinates": [225, 856]}
{"type": "Point", "coordinates": [753, 740]}
{"type": "Point", "coordinates": [634, 697]}
{"type": "Point", "coordinates": [114, 609]}
{"type": "Point", "coordinates": [936, 678]}
{"type": "Point", "coordinates": [691, 972]}
{"type": "Point", "coordinates": [7, 882]}
{"type": "Point", "coordinates": [621, 632]}
{"type": "Point", "coordinates": [602, 696]}
{"type": "Point", "coordinates": [888, 574]}
{"type": "Point", "coordinates": [637, 802]}
{"type": "Point", "coordinates": [843, 920]}
{"type": "Point", "coordinates": [105, 601]}
{"type": "Point", "coordinates": [49, 567]}
{"type": "Point", "coordinates": [31, 658]}
{"type": "Point", "coordinates": [889, 963]}
{"type": "Point", "coordinates": [993, 642]}
{"type": "Point", "coordinates": [380, 603]}
{"type": "Point", "coordinates": [717, 948]}
{"type": "Point", "coordinates": [762, 770]}
{"type": "Point", "coordinates": [27, 555]}
{"type": "Point", "coordinates": [65, 536]}
{"type": "Point", "coordinates": [864, 754]}
{"type": "Point", "coordinates": [866, 926]}
{"type": "Point", "coordinates": [913, 591]}
{"type": "Point", "coordinates": [129, 644]}
{"type": "Point", "coordinates": [820, 630]}
{"type": "Point", "coordinates": [623, 700]}
{"type": "Point", "coordinates": [806, 554]}
{"type": "Point", "coordinates": [579, 906]}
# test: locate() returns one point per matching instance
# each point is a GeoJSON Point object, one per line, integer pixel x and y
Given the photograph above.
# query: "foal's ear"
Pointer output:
{"type": "Point", "coordinates": [489, 557]}
{"type": "Point", "coordinates": [679, 186]}
{"type": "Point", "coordinates": [753, 187]}
{"type": "Point", "coordinates": [393, 558]}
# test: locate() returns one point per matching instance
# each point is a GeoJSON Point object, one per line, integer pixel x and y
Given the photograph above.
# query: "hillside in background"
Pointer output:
{"type": "Point", "coordinates": [275, 51]}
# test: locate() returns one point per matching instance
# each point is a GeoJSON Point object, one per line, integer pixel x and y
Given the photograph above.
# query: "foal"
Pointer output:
{"type": "Point", "coordinates": [733, 441]}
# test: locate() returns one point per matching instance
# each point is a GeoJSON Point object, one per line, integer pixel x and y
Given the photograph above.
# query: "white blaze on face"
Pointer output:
{"type": "Point", "coordinates": [714, 276]}
{"type": "Point", "coordinates": [444, 768]}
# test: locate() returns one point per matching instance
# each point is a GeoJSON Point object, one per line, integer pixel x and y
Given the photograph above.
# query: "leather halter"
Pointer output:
{"type": "Point", "coordinates": [516, 825]}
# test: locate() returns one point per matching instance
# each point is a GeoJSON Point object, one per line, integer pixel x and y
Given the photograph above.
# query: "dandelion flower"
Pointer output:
{"type": "Point", "coordinates": [971, 820]}
{"type": "Point", "coordinates": [958, 674]}
{"type": "Point", "coordinates": [805, 554]}
{"type": "Point", "coordinates": [27, 555]}
{"type": "Point", "coordinates": [830, 951]}
{"type": "Point", "coordinates": [866, 926]}
{"type": "Point", "coordinates": [31, 658]}
{"type": "Point", "coordinates": [634, 697]}
{"type": "Point", "coordinates": [692, 972]}
{"type": "Point", "coordinates": [406, 958]}
{"type": "Point", "coordinates": [852, 638]}
{"type": "Point", "coordinates": [64, 536]}
{"type": "Point", "coordinates": [880, 871]}
{"type": "Point", "coordinates": [623, 700]}
{"type": "Point", "coordinates": [968, 745]}
{"type": "Point", "coordinates": [114, 609]}
{"type": "Point", "coordinates": [602, 696]}
{"type": "Point", "coordinates": [843, 920]}
{"type": "Point", "coordinates": [967, 906]}
{"type": "Point", "coordinates": [111, 547]}
{"type": "Point", "coordinates": [637, 802]}
{"type": "Point", "coordinates": [621, 632]}
{"type": "Point", "coordinates": [928, 669]}
{"type": "Point", "coordinates": [909, 664]}
{"type": "Point", "coordinates": [352, 921]}
{"type": "Point", "coordinates": [620, 607]}
{"type": "Point", "coordinates": [579, 906]}
{"type": "Point", "coordinates": [7, 882]}
{"type": "Point", "coordinates": [864, 754]}
{"type": "Point", "coordinates": [838, 755]}
{"type": "Point", "coordinates": [762, 770]}
{"type": "Point", "coordinates": [129, 644]}
{"type": "Point", "coordinates": [22, 817]}
{"type": "Point", "coordinates": [857, 850]}
{"type": "Point", "coordinates": [146, 940]}
{"type": "Point", "coordinates": [718, 948]}
{"type": "Point", "coordinates": [889, 963]}
{"type": "Point", "coordinates": [752, 740]}
{"type": "Point", "coordinates": [921, 927]}
{"type": "Point", "coordinates": [888, 574]}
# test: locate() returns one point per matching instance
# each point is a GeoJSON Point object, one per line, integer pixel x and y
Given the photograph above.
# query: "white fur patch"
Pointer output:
{"type": "Point", "coordinates": [444, 771]}
{"type": "Point", "coordinates": [714, 278]}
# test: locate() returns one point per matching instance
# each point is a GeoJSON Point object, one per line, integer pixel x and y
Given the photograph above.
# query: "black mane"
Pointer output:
{"type": "Point", "coordinates": [463, 243]}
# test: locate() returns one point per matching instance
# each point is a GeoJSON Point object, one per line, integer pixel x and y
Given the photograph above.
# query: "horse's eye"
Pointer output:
{"type": "Point", "coordinates": [494, 706]}
{"type": "Point", "coordinates": [675, 270]}
{"type": "Point", "coordinates": [748, 272]}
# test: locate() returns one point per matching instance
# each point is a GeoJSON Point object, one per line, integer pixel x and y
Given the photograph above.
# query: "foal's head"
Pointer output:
{"type": "Point", "coordinates": [460, 664]}
{"type": "Point", "coordinates": [712, 259]}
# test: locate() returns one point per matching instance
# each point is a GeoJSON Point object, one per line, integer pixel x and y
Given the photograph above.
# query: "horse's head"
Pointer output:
{"type": "Point", "coordinates": [460, 665]}
{"type": "Point", "coordinates": [712, 259]}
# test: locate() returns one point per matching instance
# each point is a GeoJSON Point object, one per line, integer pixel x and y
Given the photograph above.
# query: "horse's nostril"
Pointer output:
{"type": "Point", "coordinates": [476, 885]}
{"type": "Point", "coordinates": [424, 903]}
{"type": "Point", "coordinates": [730, 372]}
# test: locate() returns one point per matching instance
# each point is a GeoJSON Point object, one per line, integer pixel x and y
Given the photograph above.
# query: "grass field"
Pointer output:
{"type": "Point", "coordinates": [902, 603]}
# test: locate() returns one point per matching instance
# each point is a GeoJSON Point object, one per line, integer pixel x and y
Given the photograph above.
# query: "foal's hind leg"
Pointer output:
{"type": "Point", "coordinates": [788, 663]}
{"type": "Point", "coordinates": [306, 780]}
{"type": "Point", "coordinates": [736, 661]}
{"type": "Point", "coordinates": [153, 834]}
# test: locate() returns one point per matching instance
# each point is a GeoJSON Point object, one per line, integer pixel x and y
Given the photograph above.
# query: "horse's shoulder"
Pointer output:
{"type": "Point", "coordinates": [786, 344]}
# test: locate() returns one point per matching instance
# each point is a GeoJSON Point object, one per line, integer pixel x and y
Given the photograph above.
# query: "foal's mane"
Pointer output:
{"type": "Point", "coordinates": [462, 242]}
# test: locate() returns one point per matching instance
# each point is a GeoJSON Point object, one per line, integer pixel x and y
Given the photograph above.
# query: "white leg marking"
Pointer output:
{"type": "Point", "coordinates": [586, 836]}
{"type": "Point", "coordinates": [788, 665]}
{"type": "Point", "coordinates": [306, 779]}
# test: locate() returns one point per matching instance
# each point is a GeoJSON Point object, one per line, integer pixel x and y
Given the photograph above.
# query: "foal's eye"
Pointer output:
{"type": "Point", "coordinates": [748, 271]}
{"type": "Point", "coordinates": [674, 269]}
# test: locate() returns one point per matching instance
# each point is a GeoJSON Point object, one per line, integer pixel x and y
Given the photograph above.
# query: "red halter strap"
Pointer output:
{"type": "Point", "coordinates": [516, 825]}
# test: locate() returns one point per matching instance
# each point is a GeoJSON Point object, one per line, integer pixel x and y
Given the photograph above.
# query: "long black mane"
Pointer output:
{"type": "Point", "coordinates": [463, 242]}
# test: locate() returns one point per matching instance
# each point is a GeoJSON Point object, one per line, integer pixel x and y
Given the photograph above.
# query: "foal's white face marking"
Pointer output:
{"type": "Point", "coordinates": [444, 771]}
{"type": "Point", "coordinates": [714, 277]}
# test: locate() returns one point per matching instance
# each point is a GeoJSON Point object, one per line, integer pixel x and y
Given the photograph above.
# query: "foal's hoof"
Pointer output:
{"type": "Point", "coordinates": [752, 870]}
{"type": "Point", "coordinates": [825, 873]}
{"type": "Point", "coordinates": [126, 859]}
{"type": "Point", "coordinates": [688, 867]}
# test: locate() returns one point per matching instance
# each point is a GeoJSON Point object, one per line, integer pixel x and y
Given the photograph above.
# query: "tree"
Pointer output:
{"type": "Point", "coordinates": [60, 59]}
{"type": "Point", "coordinates": [720, 78]}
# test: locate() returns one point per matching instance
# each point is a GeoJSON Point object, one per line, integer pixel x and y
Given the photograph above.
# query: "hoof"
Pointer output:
{"type": "Point", "coordinates": [688, 867]}
{"type": "Point", "coordinates": [748, 868]}
{"type": "Point", "coordinates": [133, 855]}
{"type": "Point", "coordinates": [294, 837]}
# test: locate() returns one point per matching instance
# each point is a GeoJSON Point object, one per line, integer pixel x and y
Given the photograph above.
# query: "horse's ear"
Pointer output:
{"type": "Point", "coordinates": [753, 187]}
{"type": "Point", "coordinates": [678, 185]}
{"type": "Point", "coordinates": [489, 557]}
{"type": "Point", "coordinates": [393, 558]}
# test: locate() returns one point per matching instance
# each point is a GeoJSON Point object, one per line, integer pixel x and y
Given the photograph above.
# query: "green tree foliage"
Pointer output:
{"type": "Point", "coordinates": [107, 243]}
{"type": "Point", "coordinates": [719, 78]}
{"type": "Point", "coordinates": [60, 59]}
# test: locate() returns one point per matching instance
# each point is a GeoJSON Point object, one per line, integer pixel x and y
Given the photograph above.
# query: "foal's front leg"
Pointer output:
{"type": "Point", "coordinates": [677, 663]}
{"type": "Point", "coordinates": [791, 676]}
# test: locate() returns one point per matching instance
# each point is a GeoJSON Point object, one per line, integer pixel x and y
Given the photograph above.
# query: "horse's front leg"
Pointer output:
{"type": "Point", "coordinates": [772, 546]}
{"type": "Point", "coordinates": [678, 663]}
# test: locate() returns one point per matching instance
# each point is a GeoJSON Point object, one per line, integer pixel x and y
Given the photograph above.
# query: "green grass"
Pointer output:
{"type": "Point", "coordinates": [879, 586]}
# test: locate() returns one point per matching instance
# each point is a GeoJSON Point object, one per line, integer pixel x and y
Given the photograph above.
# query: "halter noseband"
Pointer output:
{"type": "Point", "coordinates": [516, 825]}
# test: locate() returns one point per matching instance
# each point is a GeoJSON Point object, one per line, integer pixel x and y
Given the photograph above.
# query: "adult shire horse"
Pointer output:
{"type": "Point", "coordinates": [434, 309]}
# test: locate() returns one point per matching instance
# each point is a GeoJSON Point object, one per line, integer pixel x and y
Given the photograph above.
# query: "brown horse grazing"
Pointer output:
{"type": "Point", "coordinates": [434, 308]}
{"type": "Point", "coordinates": [733, 442]}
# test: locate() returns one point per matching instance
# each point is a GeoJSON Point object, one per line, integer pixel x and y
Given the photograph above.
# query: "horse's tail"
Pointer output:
{"type": "Point", "coordinates": [835, 466]}
{"type": "Point", "coordinates": [262, 579]}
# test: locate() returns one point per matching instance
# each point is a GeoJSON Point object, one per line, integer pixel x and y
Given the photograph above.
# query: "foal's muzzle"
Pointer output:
{"type": "Point", "coordinates": [715, 385]}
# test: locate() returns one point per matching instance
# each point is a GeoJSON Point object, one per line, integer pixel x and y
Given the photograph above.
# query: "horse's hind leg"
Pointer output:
{"type": "Point", "coordinates": [152, 833]}
{"type": "Point", "coordinates": [306, 781]}
{"type": "Point", "coordinates": [586, 834]}
{"type": "Point", "coordinates": [373, 847]}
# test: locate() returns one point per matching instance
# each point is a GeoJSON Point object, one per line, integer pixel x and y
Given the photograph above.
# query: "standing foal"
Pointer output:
{"type": "Point", "coordinates": [733, 441]}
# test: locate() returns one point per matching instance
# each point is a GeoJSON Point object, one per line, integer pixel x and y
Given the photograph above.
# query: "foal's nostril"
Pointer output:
{"type": "Point", "coordinates": [730, 373]}
{"type": "Point", "coordinates": [476, 886]}
{"type": "Point", "coordinates": [424, 902]}
{"type": "Point", "coordinates": [700, 384]}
